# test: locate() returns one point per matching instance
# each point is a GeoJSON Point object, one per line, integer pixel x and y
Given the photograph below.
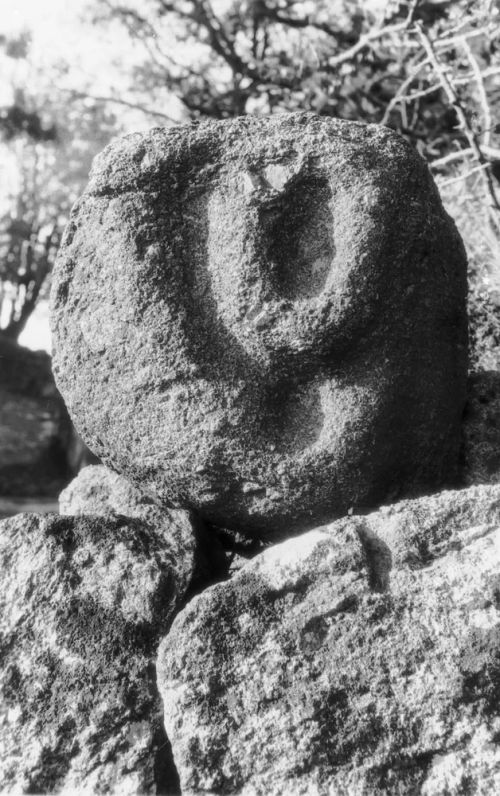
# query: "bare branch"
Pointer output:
{"type": "Point", "coordinates": [453, 41]}
{"type": "Point", "coordinates": [482, 92]}
{"type": "Point", "coordinates": [400, 94]}
{"type": "Point", "coordinates": [485, 73]}
{"type": "Point", "coordinates": [491, 152]}
{"type": "Point", "coordinates": [451, 158]}
{"type": "Point", "coordinates": [302, 22]}
{"type": "Point", "coordinates": [454, 101]}
{"type": "Point", "coordinates": [366, 40]}
{"type": "Point", "coordinates": [120, 101]}
{"type": "Point", "coordinates": [408, 98]}
{"type": "Point", "coordinates": [425, 92]}
{"type": "Point", "coordinates": [220, 42]}
{"type": "Point", "coordinates": [460, 177]}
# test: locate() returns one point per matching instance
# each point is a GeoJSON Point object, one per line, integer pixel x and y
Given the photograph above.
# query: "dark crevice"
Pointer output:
{"type": "Point", "coordinates": [378, 559]}
{"type": "Point", "coordinates": [166, 776]}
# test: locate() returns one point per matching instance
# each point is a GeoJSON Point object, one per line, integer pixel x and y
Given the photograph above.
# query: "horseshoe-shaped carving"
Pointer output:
{"type": "Point", "coordinates": [264, 319]}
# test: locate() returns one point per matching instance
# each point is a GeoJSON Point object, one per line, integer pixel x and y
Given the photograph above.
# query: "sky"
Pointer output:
{"type": "Point", "coordinates": [42, 15]}
{"type": "Point", "coordinates": [60, 32]}
{"type": "Point", "coordinates": [61, 29]}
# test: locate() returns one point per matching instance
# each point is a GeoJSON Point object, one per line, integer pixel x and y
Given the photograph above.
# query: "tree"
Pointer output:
{"type": "Point", "coordinates": [429, 69]}
{"type": "Point", "coordinates": [222, 59]}
{"type": "Point", "coordinates": [48, 143]}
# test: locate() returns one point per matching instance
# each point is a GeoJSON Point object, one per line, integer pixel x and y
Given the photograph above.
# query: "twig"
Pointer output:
{"type": "Point", "coordinates": [453, 180]}
{"type": "Point", "coordinates": [457, 81]}
{"type": "Point", "coordinates": [399, 95]}
{"type": "Point", "coordinates": [451, 41]}
{"type": "Point", "coordinates": [492, 71]}
{"type": "Point", "coordinates": [368, 38]}
{"type": "Point", "coordinates": [118, 100]}
{"type": "Point", "coordinates": [454, 101]}
{"type": "Point", "coordinates": [409, 98]}
{"type": "Point", "coordinates": [451, 158]}
{"type": "Point", "coordinates": [488, 151]}
{"type": "Point", "coordinates": [482, 92]}
{"type": "Point", "coordinates": [460, 26]}
{"type": "Point", "coordinates": [308, 21]}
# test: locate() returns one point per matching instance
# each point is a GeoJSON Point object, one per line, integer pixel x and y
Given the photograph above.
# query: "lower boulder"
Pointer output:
{"type": "Point", "coordinates": [362, 657]}
{"type": "Point", "coordinates": [39, 448]}
{"type": "Point", "coordinates": [98, 490]}
{"type": "Point", "coordinates": [83, 602]}
{"type": "Point", "coordinates": [199, 556]}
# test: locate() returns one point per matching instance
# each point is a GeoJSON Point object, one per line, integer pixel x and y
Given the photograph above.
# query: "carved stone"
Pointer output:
{"type": "Point", "coordinates": [264, 319]}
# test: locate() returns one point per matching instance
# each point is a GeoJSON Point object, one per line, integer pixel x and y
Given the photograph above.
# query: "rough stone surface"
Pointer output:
{"type": "Point", "coordinates": [34, 424]}
{"type": "Point", "coordinates": [481, 429]}
{"type": "Point", "coordinates": [360, 658]}
{"type": "Point", "coordinates": [41, 505]}
{"type": "Point", "coordinates": [83, 601]}
{"type": "Point", "coordinates": [98, 490]}
{"type": "Point", "coordinates": [199, 555]}
{"type": "Point", "coordinates": [264, 319]}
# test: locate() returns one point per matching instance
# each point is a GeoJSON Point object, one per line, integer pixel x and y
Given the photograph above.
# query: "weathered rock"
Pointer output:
{"type": "Point", "coordinates": [360, 658]}
{"type": "Point", "coordinates": [34, 424]}
{"type": "Point", "coordinates": [83, 601]}
{"type": "Point", "coordinates": [98, 490]}
{"type": "Point", "coordinates": [264, 319]}
{"type": "Point", "coordinates": [198, 554]}
{"type": "Point", "coordinates": [481, 429]}
{"type": "Point", "coordinates": [41, 505]}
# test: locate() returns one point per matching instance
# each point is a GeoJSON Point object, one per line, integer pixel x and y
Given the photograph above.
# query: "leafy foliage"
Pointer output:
{"type": "Point", "coordinates": [48, 143]}
{"type": "Point", "coordinates": [429, 69]}
{"type": "Point", "coordinates": [16, 120]}
{"type": "Point", "coordinates": [353, 60]}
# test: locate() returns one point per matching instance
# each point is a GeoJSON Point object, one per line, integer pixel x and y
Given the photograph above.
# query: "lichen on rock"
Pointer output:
{"type": "Point", "coordinates": [361, 657]}
{"type": "Point", "coordinates": [83, 602]}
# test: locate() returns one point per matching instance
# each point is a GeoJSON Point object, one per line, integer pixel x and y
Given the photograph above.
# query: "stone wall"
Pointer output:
{"type": "Point", "coordinates": [260, 326]}
{"type": "Point", "coordinates": [39, 448]}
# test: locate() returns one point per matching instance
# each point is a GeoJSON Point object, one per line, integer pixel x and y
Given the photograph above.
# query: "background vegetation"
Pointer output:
{"type": "Point", "coordinates": [429, 69]}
